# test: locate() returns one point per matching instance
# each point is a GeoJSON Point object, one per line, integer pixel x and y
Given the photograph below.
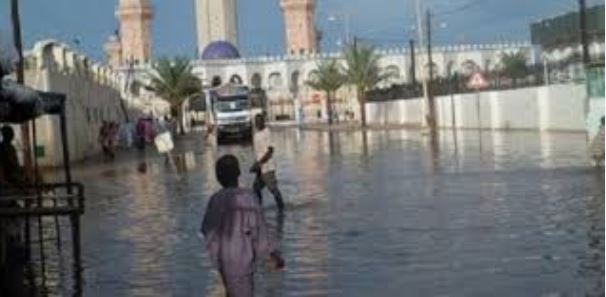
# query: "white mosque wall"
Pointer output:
{"type": "Point", "coordinates": [545, 108]}
{"type": "Point", "coordinates": [276, 72]}
{"type": "Point", "coordinates": [92, 96]}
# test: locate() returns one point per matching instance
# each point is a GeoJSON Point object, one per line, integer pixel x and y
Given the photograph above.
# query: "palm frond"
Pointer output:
{"type": "Point", "coordinates": [363, 67]}
{"type": "Point", "coordinates": [328, 77]}
{"type": "Point", "coordinates": [173, 80]}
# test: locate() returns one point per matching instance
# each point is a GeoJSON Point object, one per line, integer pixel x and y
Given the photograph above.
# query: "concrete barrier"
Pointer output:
{"type": "Point", "coordinates": [545, 108]}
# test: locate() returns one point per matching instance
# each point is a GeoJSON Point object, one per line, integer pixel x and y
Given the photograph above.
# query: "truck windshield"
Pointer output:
{"type": "Point", "coordinates": [232, 104]}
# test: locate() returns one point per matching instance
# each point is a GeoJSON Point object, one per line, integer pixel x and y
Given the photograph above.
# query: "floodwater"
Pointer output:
{"type": "Point", "coordinates": [497, 214]}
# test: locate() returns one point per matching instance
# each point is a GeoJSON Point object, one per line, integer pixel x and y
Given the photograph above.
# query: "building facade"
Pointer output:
{"type": "Point", "coordinates": [216, 20]}
{"type": "Point", "coordinates": [284, 77]}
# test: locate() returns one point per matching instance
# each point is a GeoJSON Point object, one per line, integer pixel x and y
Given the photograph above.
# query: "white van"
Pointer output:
{"type": "Point", "coordinates": [230, 112]}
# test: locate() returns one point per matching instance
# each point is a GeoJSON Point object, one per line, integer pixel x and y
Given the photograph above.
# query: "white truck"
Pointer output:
{"type": "Point", "coordinates": [230, 112]}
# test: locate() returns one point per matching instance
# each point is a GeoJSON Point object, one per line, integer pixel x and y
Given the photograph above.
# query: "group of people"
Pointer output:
{"type": "Point", "coordinates": [139, 135]}
{"type": "Point", "coordinates": [234, 226]}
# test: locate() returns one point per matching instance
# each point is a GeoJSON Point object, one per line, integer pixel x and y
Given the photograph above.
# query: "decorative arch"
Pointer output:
{"type": "Point", "coordinates": [295, 78]}
{"type": "Point", "coordinates": [274, 81]}
{"type": "Point", "coordinates": [236, 79]}
{"type": "Point", "coordinates": [216, 81]}
{"type": "Point", "coordinates": [393, 74]}
{"type": "Point", "coordinates": [256, 80]}
{"type": "Point", "coordinates": [469, 67]}
{"type": "Point", "coordinates": [487, 65]}
{"type": "Point", "coordinates": [450, 68]}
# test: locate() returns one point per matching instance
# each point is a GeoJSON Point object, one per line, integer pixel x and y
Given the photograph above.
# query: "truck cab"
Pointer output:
{"type": "Point", "coordinates": [230, 112]}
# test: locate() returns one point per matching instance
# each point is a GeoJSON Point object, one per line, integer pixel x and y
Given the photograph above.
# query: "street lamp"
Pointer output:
{"type": "Point", "coordinates": [345, 18]}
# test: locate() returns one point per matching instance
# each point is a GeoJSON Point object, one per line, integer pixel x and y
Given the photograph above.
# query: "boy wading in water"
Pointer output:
{"type": "Point", "coordinates": [235, 231]}
{"type": "Point", "coordinates": [265, 168]}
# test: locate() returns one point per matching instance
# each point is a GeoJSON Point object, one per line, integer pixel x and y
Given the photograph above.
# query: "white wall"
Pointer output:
{"type": "Point", "coordinates": [554, 107]}
{"type": "Point", "coordinates": [92, 96]}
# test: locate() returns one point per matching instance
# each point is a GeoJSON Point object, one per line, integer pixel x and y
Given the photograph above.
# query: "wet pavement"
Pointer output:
{"type": "Point", "coordinates": [499, 214]}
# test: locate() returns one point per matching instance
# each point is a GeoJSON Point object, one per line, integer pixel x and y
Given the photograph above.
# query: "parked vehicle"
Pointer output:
{"type": "Point", "coordinates": [231, 112]}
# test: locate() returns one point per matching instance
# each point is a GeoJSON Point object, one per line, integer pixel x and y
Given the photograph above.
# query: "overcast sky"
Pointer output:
{"type": "Point", "coordinates": [383, 22]}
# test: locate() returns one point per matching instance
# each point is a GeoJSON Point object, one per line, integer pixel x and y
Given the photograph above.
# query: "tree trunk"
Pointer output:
{"type": "Point", "coordinates": [328, 108]}
{"type": "Point", "coordinates": [176, 113]}
{"type": "Point", "coordinates": [362, 102]}
{"type": "Point", "coordinates": [180, 116]}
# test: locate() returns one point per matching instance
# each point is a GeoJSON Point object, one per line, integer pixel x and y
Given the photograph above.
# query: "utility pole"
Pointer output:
{"type": "Point", "coordinates": [17, 39]}
{"type": "Point", "coordinates": [583, 31]}
{"type": "Point", "coordinates": [431, 118]}
{"type": "Point", "coordinates": [413, 66]}
{"type": "Point", "coordinates": [419, 22]}
{"type": "Point", "coordinates": [422, 43]}
{"type": "Point", "coordinates": [16, 22]}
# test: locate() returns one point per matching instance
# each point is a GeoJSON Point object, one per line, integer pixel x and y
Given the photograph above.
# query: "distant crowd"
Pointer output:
{"type": "Point", "coordinates": [129, 135]}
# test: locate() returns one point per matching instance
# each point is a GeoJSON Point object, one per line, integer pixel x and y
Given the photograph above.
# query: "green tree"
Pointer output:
{"type": "Point", "coordinates": [173, 80]}
{"type": "Point", "coordinates": [363, 72]}
{"type": "Point", "coordinates": [513, 65]}
{"type": "Point", "coordinates": [328, 78]}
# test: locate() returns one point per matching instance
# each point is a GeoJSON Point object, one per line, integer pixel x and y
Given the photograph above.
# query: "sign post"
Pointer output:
{"type": "Point", "coordinates": [477, 82]}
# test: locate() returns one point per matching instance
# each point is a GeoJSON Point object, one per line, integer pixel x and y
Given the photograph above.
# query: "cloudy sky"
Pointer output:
{"type": "Point", "coordinates": [383, 22]}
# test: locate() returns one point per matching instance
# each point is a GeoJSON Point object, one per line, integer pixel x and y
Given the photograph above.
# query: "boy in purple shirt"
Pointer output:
{"type": "Point", "coordinates": [235, 231]}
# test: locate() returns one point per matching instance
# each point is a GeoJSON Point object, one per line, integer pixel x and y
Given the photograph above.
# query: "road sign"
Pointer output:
{"type": "Point", "coordinates": [477, 81]}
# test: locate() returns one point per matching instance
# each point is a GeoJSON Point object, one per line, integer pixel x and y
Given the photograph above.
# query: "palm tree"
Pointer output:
{"type": "Point", "coordinates": [328, 77]}
{"type": "Point", "coordinates": [513, 65]}
{"type": "Point", "coordinates": [363, 72]}
{"type": "Point", "coordinates": [174, 81]}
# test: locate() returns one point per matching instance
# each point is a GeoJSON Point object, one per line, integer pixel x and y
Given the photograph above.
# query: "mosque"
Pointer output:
{"type": "Point", "coordinates": [282, 77]}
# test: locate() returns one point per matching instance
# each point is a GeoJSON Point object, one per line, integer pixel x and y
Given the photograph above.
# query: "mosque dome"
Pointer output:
{"type": "Point", "coordinates": [220, 50]}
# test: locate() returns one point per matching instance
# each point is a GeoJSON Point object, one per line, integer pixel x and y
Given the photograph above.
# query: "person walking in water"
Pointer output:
{"type": "Point", "coordinates": [264, 167]}
{"type": "Point", "coordinates": [105, 140]}
{"type": "Point", "coordinates": [236, 232]}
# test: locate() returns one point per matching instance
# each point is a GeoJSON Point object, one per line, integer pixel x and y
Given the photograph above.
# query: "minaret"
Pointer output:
{"type": "Point", "coordinates": [113, 51]}
{"type": "Point", "coordinates": [135, 18]}
{"type": "Point", "coordinates": [300, 26]}
{"type": "Point", "coordinates": [216, 20]}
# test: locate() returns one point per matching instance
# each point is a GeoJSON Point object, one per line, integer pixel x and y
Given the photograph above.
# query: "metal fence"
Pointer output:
{"type": "Point", "coordinates": [537, 75]}
{"type": "Point", "coordinates": [40, 240]}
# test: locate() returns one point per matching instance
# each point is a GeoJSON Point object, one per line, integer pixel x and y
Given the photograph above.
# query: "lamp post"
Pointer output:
{"type": "Point", "coordinates": [345, 18]}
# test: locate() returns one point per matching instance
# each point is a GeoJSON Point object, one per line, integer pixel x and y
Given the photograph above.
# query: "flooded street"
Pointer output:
{"type": "Point", "coordinates": [499, 214]}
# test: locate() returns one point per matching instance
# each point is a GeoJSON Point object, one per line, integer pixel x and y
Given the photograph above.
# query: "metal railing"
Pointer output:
{"type": "Point", "coordinates": [45, 215]}
{"type": "Point", "coordinates": [536, 75]}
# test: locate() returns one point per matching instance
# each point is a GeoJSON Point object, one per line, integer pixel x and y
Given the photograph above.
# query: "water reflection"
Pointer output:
{"type": "Point", "coordinates": [369, 214]}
